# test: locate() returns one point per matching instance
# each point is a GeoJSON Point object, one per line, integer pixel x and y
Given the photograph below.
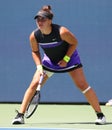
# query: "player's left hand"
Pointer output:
{"type": "Point", "coordinates": [62, 63]}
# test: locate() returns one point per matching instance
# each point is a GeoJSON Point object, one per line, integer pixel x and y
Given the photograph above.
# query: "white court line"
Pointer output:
{"type": "Point", "coordinates": [12, 128]}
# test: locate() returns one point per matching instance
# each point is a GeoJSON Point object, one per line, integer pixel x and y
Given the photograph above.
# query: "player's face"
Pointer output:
{"type": "Point", "coordinates": [41, 19]}
{"type": "Point", "coordinates": [43, 23]}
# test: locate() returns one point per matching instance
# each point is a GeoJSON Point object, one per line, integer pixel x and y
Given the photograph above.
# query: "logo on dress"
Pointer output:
{"type": "Point", "coordinates": [54, 39]}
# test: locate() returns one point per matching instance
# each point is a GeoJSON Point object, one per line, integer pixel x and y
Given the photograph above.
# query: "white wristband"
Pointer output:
{"type": "Point", "coordinates": [39, 67]}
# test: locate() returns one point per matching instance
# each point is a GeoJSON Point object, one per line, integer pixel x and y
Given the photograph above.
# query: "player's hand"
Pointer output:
{"type": "Point", "coordinates": [62, 63]}
{"type": "Point", "coordinates": [40, 69]}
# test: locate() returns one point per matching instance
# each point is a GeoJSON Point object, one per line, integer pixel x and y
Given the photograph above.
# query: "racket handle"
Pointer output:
{"type": "Point", "coordinates": [40, 81]}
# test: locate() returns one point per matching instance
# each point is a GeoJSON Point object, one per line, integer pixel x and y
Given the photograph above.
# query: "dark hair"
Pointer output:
{"type": "Point", "coordinates": [47, 8]}
{"type": "Point", "coordinates": [46, 12]}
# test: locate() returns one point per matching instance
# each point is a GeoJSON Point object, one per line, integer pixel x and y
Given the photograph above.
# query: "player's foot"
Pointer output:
{"type": "Point", "coordinates": [101, 120]}
{"type": "Point", "coordinates": [19, 119]}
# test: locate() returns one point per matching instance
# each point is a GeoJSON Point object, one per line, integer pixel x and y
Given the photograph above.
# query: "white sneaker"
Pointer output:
{"type": "Point", "coordinates": [19, 119]}
{"type": "Point", "coordinates": [109, 103]}
{"type": "Point", "coordinates": [100, 121]}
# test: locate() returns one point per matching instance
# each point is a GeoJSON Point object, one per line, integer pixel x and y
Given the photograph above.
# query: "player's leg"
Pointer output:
{"type": "Point", "coordinates": [80, 81]}
{"type": "Point", "coordinates": [19, 119]}
{"type": "Point", "coordinates": [30, 91]}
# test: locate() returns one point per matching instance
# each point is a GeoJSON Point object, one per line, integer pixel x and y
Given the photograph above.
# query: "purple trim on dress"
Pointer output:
{"type": "Point", "coordinates": [49, 45]}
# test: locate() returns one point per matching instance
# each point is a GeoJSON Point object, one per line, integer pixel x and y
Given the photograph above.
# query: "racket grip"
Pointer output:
{"type": "Point", "coordinates": [41, 79]}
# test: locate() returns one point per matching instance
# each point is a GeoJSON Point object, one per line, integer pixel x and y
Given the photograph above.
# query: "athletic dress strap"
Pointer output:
{"type": "Point", "coordinates": [54, 50]}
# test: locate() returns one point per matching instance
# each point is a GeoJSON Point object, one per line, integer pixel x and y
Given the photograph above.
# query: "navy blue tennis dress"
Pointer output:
{"type": "Point", "coordinates": [54, 50]}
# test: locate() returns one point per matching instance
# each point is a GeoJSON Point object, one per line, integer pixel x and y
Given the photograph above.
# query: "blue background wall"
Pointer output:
{"type": "Point", "coordinates": [89, 20]}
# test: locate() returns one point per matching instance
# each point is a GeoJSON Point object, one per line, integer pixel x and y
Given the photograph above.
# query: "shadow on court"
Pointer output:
{"type": "Point", "coordinates": [69, 123]}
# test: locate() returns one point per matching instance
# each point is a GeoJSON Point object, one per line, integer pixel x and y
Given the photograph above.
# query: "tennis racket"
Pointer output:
{"type": "Point", "coordinates": [34, 101]}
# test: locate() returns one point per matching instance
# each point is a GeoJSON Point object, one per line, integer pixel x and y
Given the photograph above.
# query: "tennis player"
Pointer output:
{"type": "Point", "coordinates": [60, 55]}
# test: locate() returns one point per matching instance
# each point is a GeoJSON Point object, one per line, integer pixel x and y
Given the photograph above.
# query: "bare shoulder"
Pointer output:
{"type": "Point", "coordinates": [32, 37]}
{"type": "Point", "coordinates": [67, 35]}
{"type": "Point", "coordinates": [64, 30]}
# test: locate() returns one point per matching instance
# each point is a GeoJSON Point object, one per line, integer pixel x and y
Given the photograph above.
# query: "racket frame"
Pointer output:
{"type": "Point", "coordinates": [37, 92]}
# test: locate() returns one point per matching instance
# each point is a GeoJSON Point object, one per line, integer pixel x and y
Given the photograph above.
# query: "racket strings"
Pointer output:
{"type": "Point", "coordinates": [33, 104]}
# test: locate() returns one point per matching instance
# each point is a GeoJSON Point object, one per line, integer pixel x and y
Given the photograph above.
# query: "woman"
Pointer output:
{"type": "Point", "coordinates": [60, 55]}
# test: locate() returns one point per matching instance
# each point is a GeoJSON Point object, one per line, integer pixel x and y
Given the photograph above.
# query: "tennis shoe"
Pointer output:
{"type": "Point", "coordinates": [19, 119]}
{"type": "Point", "coordinates": [109, 103]}
{"type": "Point", "coordinates": [101, 120]}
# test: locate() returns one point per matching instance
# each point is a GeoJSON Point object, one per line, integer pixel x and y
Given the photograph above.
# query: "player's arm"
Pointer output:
{"type": "Point", "coordinates": [67, 36]}
{"type": "Point", "coordinates": [35, 51]}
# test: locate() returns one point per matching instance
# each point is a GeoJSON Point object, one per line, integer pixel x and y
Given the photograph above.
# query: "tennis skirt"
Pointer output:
{"type": "Point", "coordinates": [74, 63]}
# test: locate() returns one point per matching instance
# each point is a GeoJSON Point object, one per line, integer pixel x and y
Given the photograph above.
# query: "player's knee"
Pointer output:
{"type": "Point", "coordinates": [82, 85]}
{"type": "Point", "coordinates": [86, 90]}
